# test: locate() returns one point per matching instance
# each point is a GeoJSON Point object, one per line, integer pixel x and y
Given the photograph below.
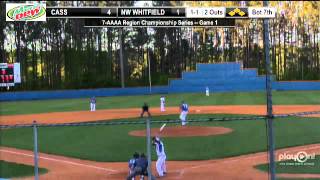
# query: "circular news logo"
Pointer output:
{"type": "Point", "coordinates": [302, 157]}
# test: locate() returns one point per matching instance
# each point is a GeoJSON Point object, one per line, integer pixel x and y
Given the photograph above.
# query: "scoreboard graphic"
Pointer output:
{"type": "Point", "coordinates": [9, 74]}
{"type": "Point", "coordinates": [160, 16]}
{"type": "Point", "coordinates": [136, 16]}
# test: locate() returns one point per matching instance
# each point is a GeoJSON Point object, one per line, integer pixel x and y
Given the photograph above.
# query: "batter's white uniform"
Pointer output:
{"type": "Point", "coordinates": [207, 91]}
{"type": "Point", "coordinates": [162, 104]}
{"type": "Point", "coordinates": [161, 162]}
{"type": "Point", "coordinates": [184, 113]}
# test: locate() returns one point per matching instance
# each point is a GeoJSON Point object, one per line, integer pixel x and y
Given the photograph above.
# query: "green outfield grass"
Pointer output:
{"type": "Point", "coordinates": [282, 167]}
{"type": "Point", "coordinates": [112, 143]}
{"type": "Point", "coordinates": [244, 98]}
{"type": "Point", "coordinates": [13, 170]}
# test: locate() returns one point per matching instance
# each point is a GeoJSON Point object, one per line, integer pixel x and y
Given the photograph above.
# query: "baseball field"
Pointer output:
{"type": "Point", "coordinates": [212, 149]}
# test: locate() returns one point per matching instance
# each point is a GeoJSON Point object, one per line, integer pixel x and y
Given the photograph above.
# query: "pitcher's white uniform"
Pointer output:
{"type": "Point", "coordinates": [161, 162]}
{"type": "Point", "coordinates": [93, 104]}
{"type": "Point", "coordinates": [162, 104]}
{"type": "Point", "coordinates": [207, 91]}
{"type": "Point", "coordinates": [184, 112]}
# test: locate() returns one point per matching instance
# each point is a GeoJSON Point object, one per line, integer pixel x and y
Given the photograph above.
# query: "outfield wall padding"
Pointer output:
{"type": "Point", "coordinates": [296, 85]}
{"type": "Point", "coordinates": [82, 93]}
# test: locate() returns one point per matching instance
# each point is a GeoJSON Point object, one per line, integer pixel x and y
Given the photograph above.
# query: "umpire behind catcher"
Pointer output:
{"type": "Point", "coordinates": [140, 168]}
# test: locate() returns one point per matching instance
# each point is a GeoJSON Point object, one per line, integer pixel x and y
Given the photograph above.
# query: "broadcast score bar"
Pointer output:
{"type": "Point", "coordinates": [194, 16]}
{"type": "Point", "coordinates": [161, 12]}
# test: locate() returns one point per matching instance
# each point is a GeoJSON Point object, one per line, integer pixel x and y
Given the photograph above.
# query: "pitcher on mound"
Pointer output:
{"type": "Point", "coordinates": [184, 108]}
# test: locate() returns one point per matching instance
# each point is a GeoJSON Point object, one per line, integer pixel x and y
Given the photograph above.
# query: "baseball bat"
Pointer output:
{"type": "Point", "coordinates": [162, 127]}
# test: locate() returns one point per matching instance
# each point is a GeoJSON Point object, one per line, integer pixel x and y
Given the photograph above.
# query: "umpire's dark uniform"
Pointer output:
{"type": "Point", "coordinates": [145, 108]}
{"type": "Point", "coordinates": [140, 168]}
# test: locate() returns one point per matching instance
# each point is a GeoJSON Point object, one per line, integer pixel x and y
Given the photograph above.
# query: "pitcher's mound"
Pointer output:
{"type": "Point", "coordinates": [184, 131]}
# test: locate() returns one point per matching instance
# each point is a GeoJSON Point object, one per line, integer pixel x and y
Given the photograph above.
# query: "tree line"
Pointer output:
{"type": "Point", "coordinates": [62, 54]}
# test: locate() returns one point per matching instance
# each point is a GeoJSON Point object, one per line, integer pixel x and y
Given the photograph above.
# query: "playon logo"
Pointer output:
{"type": "Point", "coordinates": [26, 12]}
{"type": "Point", "coordinates": [300, 157]}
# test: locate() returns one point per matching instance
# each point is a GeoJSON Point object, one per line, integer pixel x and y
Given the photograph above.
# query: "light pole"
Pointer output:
{"type": "Point", "coordinates": [271, 143]}
{"type": "Point", "coordinates": [121, 54]}
{"type": "Point", "coordinates": [35, 150]}
{"type": "Point", "coordinates": [149, 148]}
{"type": "Point", "coordinates": [148, 56]}
{"type": "Point", "coordinates": [121, 58]}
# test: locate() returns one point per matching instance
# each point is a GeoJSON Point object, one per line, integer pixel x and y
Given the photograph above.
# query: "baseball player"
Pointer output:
{"type": "Point", "coordinates": [162, 103]}
{"type": "Point", "coordinates": [145, 108]}
{"type": "Point", "coordinates": [161, 162]}
{"type": "Point", "coordinates": [184, 108]}
{"type": "Point", "coordinates": [132, 163]}
{"type": "Point", "coordinates": [140, 168]}
{"type": "Point", "coordinates": [93, 103]}
{"type": "Point", "coordinates": [207, 91]}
